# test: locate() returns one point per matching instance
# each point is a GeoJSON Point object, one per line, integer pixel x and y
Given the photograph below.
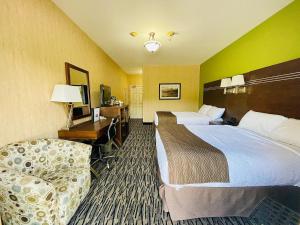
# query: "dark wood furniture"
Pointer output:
{"type": "Point", "coordinates": [274, 89]}
{"type": "Point", "coordinates": [122, 113]}
{"type": "Point", "coordinates": [85, 131]}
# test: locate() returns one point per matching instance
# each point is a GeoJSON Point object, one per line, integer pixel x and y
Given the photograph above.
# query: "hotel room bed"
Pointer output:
{"type": "Point", "coordinates": [253, 160]}
{"type": "Point", "coordinates": [205, 114]}
{"type": "Point", "coordinates": [256, 164]}
{"type": "Point", "coordinates": [188, 118]}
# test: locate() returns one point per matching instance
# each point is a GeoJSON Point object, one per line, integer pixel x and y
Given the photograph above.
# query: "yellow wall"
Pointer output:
{"type": "Point", "coordinates": [188, 76]}
{"type": "Point", "coordinates": [135, 79]}
{"type": "Point", "coordinates": [36, 39]}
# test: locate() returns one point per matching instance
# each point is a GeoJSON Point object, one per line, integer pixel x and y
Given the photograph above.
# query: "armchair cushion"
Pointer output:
{"type": "Point", "coordinates": [65, 154]}
{"type": "Point", "coordinates": [43, 155]}
{"type": "Point", "coordinates": [43, 181]}
{"type": "Point", "coordinates": [29, 157]}
{"type": "Point", "coordinates": [26, 199]}
{"type": "Point", "coordinates": [71, 186]}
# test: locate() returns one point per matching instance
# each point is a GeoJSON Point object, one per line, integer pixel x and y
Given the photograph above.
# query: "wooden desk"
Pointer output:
{"type": "Point", "coordinates": [85, 131]}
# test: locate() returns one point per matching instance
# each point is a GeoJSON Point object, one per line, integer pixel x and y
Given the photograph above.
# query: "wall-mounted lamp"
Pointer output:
{"type": "Point", "coordinates": [238, 82]}
{"type": "Point", "coordinates": [225, 83]}
{"type": "Point", "coordinates": [235, 85]}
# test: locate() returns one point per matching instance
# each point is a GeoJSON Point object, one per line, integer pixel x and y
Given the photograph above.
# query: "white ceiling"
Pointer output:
{"type": "Point", "coordinates": [204, 27]}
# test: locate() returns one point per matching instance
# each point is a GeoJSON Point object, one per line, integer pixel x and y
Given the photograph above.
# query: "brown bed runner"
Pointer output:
{"type": "Point", "coordinates": [190, 159]}
{"type": "Point", "coordinates": [166, 117]}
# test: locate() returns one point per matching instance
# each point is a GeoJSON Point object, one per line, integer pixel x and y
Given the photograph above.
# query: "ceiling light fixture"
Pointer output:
{"type": "Point", "coordinates": [152, 45]}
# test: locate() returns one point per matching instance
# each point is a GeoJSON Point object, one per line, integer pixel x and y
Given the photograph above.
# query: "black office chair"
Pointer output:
{"type": "Point", "coordinates": [105, 145]}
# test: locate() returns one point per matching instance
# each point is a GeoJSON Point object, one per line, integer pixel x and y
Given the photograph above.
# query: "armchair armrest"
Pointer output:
{"type": "Point", "coordinates": [32, 197]}
{"type": "Point", "coordinates": [63, 154]}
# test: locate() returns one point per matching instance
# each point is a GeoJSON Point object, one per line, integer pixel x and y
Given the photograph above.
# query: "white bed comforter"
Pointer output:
{"type": "Point", "coordinates": [187, 118]}
{"type": "Point", "coordinates": [253, 160]}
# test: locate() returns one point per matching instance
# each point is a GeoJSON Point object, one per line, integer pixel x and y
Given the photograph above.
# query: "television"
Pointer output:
{"type": "Point", "coordinates": [105, 94]}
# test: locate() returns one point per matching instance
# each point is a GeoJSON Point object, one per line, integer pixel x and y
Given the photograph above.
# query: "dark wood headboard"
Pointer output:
{"type": "Point", "coordinates": [274, 89]}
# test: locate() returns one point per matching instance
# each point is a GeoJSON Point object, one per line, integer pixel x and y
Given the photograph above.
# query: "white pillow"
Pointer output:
{"type": "Point", "coordinates": [288, 132]}
{"type": "Point", "coordinates": [204, 109]}
{"type": "Point", "coordinates": [261, 123]}
{"type": "Point", "coordinates": [215, 112]}
{"type": "Point", "coordinates": [218, 120]}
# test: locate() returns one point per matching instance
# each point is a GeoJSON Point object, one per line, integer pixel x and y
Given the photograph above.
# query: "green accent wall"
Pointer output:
{"type": "Point", "coordinates": [274, 41]}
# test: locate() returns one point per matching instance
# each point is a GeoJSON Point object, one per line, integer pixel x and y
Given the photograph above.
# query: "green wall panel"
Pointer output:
{"type": "Point", "coordinates": [275, 40]}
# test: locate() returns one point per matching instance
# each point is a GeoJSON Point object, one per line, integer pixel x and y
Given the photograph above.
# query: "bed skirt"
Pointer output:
{"type": "Point", "coordinates": [196, 202]}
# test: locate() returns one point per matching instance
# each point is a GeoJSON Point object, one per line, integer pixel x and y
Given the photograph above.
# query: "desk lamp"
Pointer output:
{"type": "Point", "coordinates": [67, 94]}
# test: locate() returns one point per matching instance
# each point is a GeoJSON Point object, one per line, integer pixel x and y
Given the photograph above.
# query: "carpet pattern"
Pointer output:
{"type": "Point", "coordinates": [128, 194]}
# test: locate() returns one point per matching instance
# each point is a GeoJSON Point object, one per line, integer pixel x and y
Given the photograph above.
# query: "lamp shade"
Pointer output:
{"type": "Point", "coordinates": [226, 82]}
{"type": "Point", "coordinates": [238, 80]}
{"type": "Point", "coordinates": [66, 93]}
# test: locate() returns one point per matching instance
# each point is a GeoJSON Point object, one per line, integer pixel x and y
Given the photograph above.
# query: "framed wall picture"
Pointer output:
{"type": "Point", "coordinates": [169, 91]}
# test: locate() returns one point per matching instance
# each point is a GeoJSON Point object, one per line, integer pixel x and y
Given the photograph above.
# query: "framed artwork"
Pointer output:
{"type": "Point", "coordinates": [169, 91]}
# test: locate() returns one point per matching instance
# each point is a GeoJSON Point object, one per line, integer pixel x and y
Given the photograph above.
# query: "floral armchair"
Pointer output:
{"type": "Point", "coordinates": [43, 181]}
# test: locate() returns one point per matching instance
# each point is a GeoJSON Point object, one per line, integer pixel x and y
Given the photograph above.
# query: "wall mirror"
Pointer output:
{"type": "Point", "coordinates": [76, 76]}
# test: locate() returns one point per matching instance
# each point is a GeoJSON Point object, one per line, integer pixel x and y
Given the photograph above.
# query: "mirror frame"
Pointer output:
{"type": "Point", "coordinates": [69, 66]}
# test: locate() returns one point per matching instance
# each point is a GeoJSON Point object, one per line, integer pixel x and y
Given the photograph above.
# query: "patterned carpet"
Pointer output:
{"type": "Point", "coordinates": [128, 194]}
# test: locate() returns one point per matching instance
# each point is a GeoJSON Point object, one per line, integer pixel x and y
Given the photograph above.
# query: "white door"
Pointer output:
{"type": "Point", "coordinates": [136, 101]}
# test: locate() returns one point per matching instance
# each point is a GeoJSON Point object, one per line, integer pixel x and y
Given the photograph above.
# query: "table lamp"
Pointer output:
{"type": "Point", "coordinates": [67, 94]}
